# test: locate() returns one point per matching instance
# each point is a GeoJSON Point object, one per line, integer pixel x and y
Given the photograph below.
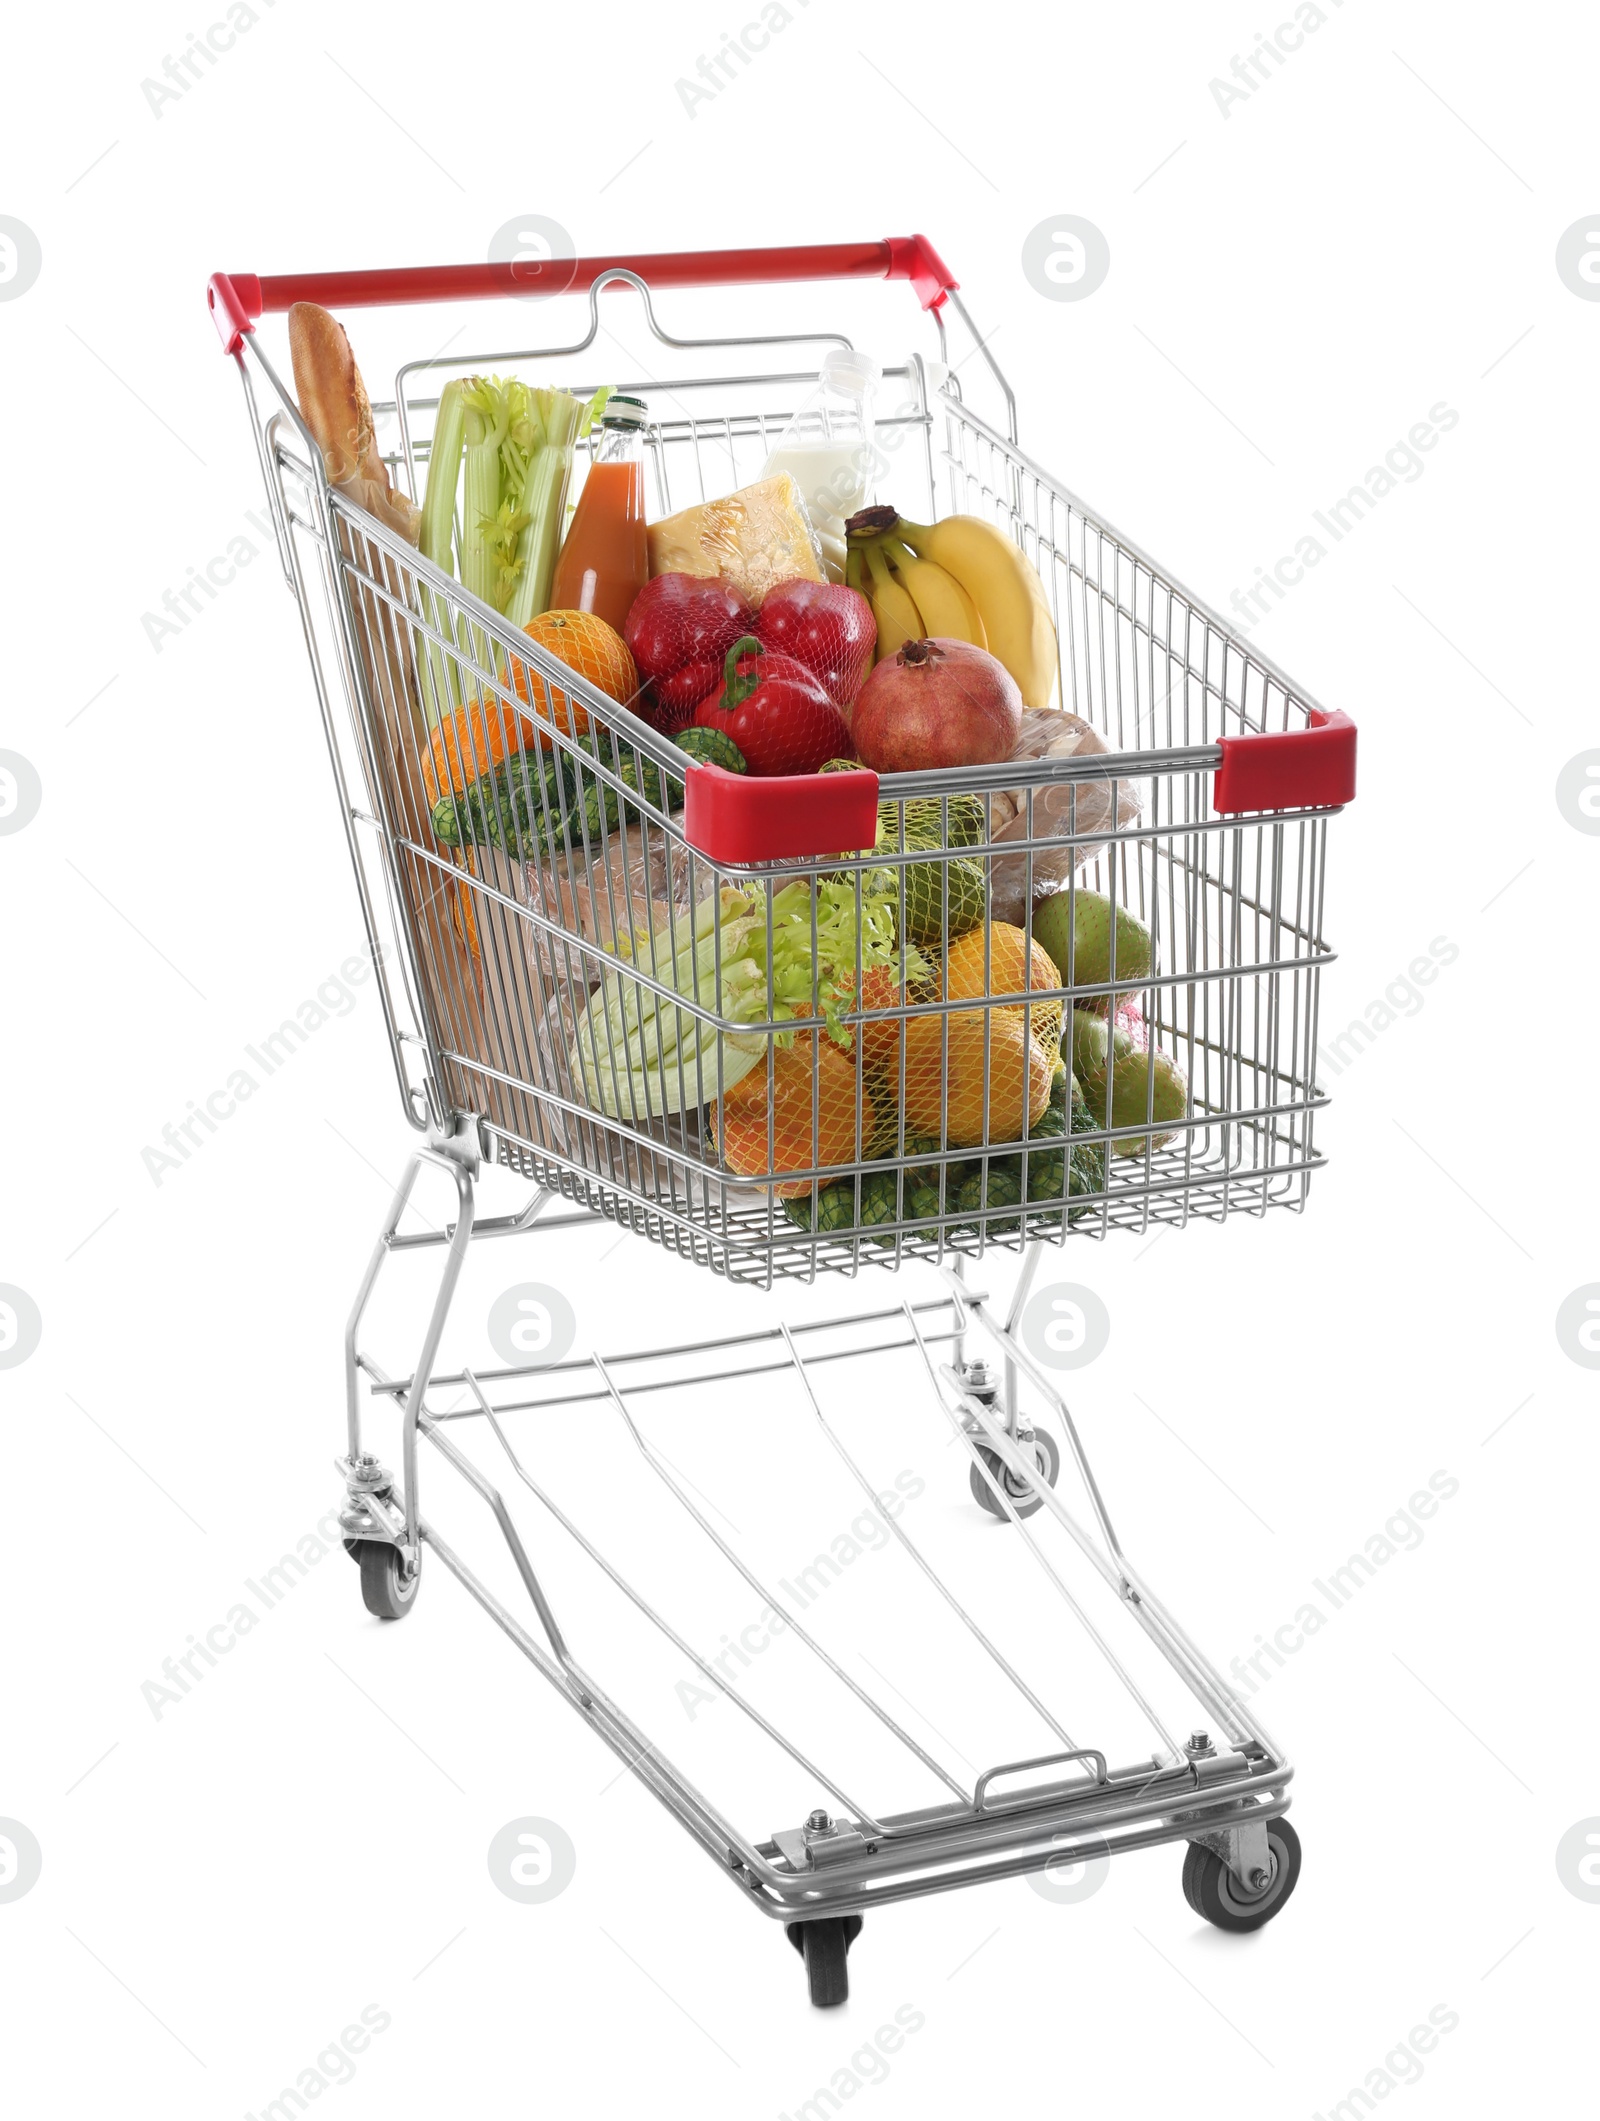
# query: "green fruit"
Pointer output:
{"type": "Point", "coordinates": [1075, 928]}
{"type": "Point", "coordinates": [1061, 1078]}
{"type": "Point", "coordinates": [714, 747]}
{"type": "Point", "coordinates": [1146, 1086]}
{"type": "Point", "coordinates": [941, 900]}
{"type": "Point", "coordinates": [1147, 1089]}
{"type": "Point", "coordinates": [953, 821]}
{"type": "Point", "coordinates": [1091, 1038]}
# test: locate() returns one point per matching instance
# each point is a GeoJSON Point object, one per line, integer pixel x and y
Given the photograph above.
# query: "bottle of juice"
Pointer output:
{"type": "Point", "coordinates": [604, 561]}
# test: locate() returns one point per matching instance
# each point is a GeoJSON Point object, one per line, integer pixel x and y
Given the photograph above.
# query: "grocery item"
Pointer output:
{"type": "Point", "coordinates": [951, 1059]}
{"type": "Point", "coordinates": [474, 739]}
{"type": "Point", "coordinates": [808, 1110]}
{"type": "Point", "coordinates": [996, 577]}
{"type": "Point", "coordinates": [879, 988]}
{"type": "Point", "coordinates": [712, 747]}
{"type": "Point", "coordinates": [509, 446]}
{"type": "Point", "coordinates": [936, 901]}
{"type": "Point", "coordinates": [1087, 809]}
{"type": "Point", "coordinates": [829, 449]}
{"type": "Point", "coordinates": [679, 630]}
{"type": "Point", "coordinates": [825, 625]}
{"type": "Point", "coordinates": [1075, 927]}
{"type": "Point", "coordinates": [637, 886]}
{"type": "Point", "coordinates": [945, 821]}
{"type": "Point", "coordinates": [1126, 1081]}
{"type": "Point", "coordinates": [753, 539]}
{"type": "Point", "coordinates": [885, 1197]}
{"type": "Point", "coordinates": [942, 604]}
{"type": "Point", "coordinates": [537, 804]}
{"type": "Point", "coordinates": [585, 643]}
{"type": "Point", "coordinates": [773, 708]}
{"type": "Point", "coordinates": [507, 805]}
{"type": "Point", "coordinates": [1062, 1169]}
{"type": "Point", "coordinates": [742, 958]}
{"type": "Point", "coordinates": [338, 413]}
{"type": "Point", "coordinates": [896, 618]}
{"type": "Point", "coordinates": [936, 703]}
{"type": "Point", "coordinates": [605, 559]}
{"type": "Point", "coordinates": [999, 960]}
{"type": "Point", "coordinates": [334, 403]}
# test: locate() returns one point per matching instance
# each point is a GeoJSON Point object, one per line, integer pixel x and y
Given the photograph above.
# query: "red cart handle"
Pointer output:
{"type": "Point", "coordinates": [237, 299]}
{"type": "Point", "coordinates": [1288, 769]}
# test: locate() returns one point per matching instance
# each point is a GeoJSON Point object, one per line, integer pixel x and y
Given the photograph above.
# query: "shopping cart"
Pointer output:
{"type": "Point", "coordinates": [1202, 808]}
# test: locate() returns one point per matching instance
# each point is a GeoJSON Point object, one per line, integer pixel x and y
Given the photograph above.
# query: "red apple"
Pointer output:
{"type": "Point", "coordinates": [826, 626]}
{"type": "Point", "coordinates": [679, 619]}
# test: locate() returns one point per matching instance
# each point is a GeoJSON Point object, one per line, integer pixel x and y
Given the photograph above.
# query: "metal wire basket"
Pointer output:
{"type": "Point", "coordinates": [1202, 809]}
{"type": "Point", "coordinates": [1204, 813]}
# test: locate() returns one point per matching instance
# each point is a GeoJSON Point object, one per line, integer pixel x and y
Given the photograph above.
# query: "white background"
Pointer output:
{"type": "Point", "coordinates": [227, 1885]}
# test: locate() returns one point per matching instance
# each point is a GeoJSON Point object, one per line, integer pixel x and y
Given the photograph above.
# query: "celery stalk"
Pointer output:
{"type": "Point", "coordinates": [444, 469]}
{"type": "Point", "coordinates": [544, 502]}
{"type": "Point", "coordinates": [441, 674]}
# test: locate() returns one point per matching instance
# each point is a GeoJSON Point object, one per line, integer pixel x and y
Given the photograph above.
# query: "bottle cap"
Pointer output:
{"type": "Point", "coordinates": [622, 411]}
{"type": "Point", "coordinates": [848, 369]}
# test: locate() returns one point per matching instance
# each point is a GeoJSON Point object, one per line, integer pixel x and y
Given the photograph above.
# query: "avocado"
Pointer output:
{"type": "Point", "coordinates": [1075, 927]}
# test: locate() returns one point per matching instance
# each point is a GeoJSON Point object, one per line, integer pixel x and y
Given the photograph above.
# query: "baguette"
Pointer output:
{"type": "Point", "coordinates": [481, 1002]}
{"type": "Point", "coordinates": [336, 408]}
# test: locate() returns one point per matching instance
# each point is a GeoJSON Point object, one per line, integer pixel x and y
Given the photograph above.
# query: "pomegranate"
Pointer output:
{"type": "Point", "coordinates": [936, 703]}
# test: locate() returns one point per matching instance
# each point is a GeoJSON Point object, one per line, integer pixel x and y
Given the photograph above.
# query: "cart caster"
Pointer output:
{"type": "Point", "coordinates": [388, 1587]}
{"type": "Point", "coordinates": [824, 1945]}
{"type": "Point", "coordinates": [1212, 1890]}
{"type": "Point", "coordinates": [1024, 1495]}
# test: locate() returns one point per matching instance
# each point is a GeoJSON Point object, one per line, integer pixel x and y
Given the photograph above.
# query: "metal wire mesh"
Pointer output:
{"type": "Point", "coordinates": [524, 830]}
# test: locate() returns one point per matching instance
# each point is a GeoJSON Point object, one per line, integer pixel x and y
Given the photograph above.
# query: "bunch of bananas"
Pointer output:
{"type": "Point", "coordinates": [960, 579]}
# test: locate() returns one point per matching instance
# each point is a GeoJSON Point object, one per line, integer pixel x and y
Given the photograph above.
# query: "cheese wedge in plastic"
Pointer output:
{"type": "Point", "coordinates": [753, 539]}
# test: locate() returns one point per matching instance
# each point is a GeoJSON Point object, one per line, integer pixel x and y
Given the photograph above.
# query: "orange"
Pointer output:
{"type": "Point", "coordinates": [944, 1087]}
{"type": "Point", "coordinates": [474, 739]}
{"type": "Point", "coordinates": [880, 989]}
{"type": "Point", "coordinates": [805, 1134]}
{"type": "Point", "coordinates": [964, 975]}
{"type": "Point", "coordinates": [587, 645]}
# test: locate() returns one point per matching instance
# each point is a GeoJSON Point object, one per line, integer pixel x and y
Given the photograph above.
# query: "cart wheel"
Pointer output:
{"type": "Point", "coordinates": [824, 1945]}
{"type": "Point", "coordinates": [353, 1548]}
{"type": "Point", "coordinates": [1212, 1890]}
{"type": "Point", "coordinates": [1047, 1456]}
{"type": "Point", "coordinates": [387, 1588]}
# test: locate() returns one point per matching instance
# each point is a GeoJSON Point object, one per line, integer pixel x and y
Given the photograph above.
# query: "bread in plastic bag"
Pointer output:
{"type": "Point", "coordinates": [1087, 810]}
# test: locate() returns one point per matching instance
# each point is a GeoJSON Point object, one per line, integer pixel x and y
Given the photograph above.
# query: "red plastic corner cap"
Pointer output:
{"type": "Point", "coordinates": [742, 817]}
{"type": "Point", "coordinates": [914, 258]}
{"type": "Point", "coordinates": [1288, 769]}
{"type": "Point", "coordinates": [234, 299]}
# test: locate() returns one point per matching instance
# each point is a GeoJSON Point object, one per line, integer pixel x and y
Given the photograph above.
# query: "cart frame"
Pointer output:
{"type": "Point", "coordinates": [1217, 1796]}
{"type": "Point", "coordinates": [1242, 795]}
